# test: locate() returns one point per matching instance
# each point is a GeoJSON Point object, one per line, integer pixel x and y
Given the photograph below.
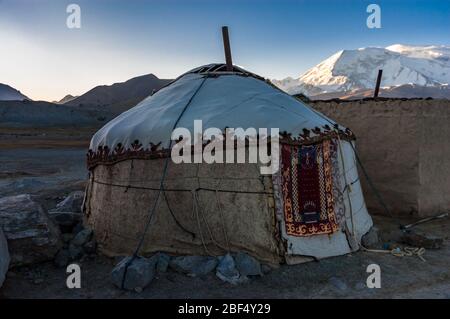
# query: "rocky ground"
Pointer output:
{"type": "Point", "coordinates": [338, 277]}
{"type": "Point", "coordinates": [53, 175]}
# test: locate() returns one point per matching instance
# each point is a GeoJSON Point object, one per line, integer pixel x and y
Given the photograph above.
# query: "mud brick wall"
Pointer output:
{"type": "Point", "coordinates": [405, 147]}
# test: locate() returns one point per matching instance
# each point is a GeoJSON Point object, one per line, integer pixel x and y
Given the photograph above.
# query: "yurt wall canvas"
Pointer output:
{"type": "Point", "coordinates": [219, 207]}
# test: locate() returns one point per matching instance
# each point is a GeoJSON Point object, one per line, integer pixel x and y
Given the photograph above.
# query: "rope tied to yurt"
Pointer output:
{"type": "Point", "coordinates": [222, 218]}
{"type": "Point", "coordinates": [177, 222]}
{"type": "Point", "coordinates": [184, 190]}
{"type": "Point", "coordinates": [399, 252]}
{"type": "Point", "coordinates": [195, 211]}
{"type": "Point", "coordinates": [161, 186]}
{"type": "Point", "coordinates": [199, 211]}
{"type": "Point", "coordinates": [350, 185]}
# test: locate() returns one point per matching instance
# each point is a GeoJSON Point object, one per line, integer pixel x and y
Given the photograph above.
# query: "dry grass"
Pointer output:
{"type": "Point", "coordinates": [55, 137]}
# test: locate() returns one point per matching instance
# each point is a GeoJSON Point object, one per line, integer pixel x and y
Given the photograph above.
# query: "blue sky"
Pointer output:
{"type": "Point", "coordinates": [121, 39]}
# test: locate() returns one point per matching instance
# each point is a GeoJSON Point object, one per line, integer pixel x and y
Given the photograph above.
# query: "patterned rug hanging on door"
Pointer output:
{"type": "Point", "coordinates": [307, 187]}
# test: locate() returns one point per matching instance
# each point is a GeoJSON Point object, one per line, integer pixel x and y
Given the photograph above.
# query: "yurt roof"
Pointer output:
{"type": "Point", "coordinates": [220, 98]}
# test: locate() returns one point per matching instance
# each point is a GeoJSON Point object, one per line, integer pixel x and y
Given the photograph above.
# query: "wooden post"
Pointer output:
{"type": "Point", "coordinates": [377, 86]}
{"type": "Point", "coordinates": [227, 48]}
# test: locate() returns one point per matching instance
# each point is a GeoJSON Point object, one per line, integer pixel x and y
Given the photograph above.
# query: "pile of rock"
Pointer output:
{"type": "Point", "coordinates": [239, 268]}
{"type": "Point", "coordinates": [232, 268]}
{"type": "Point", "coordinates": [31, 234]}
{"type": "Point", "coordinates": [77, 246]}
{"type": "Point", "coordinates": [67, 213]}
{"type": "Point", "coordinates": [134, 273]}
{"type": "Point", "coordinates": [78, 242]}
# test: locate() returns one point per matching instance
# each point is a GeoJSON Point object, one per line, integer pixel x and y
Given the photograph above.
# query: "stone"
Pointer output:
{"type": "Point", "coordinates": [227, 266]}
{"type": "Point", "coordinates": [82, 237]}
{"type": "Point", "coordinates": [67, 213]}
{"type": "Point", "coordinates": [75, 252]}
{"type": "Point", "coordinates": [247, 265]}
{"type": "Point", "coordinates": [163, 262]}
{"type": "Point", "coordinates": [4, 257]}
{"type": "Point", "coordinates": [66, 220]}
{"type": "Point", "coordinates": [226, 270]}
{"type": "Point", "coordinates": [140, 273]}
{"type": "Point", "coordinates": [418, 240]}
{"type": "Point", "coordinates": [62, 258]}
{"type": "Point", "coordinates": [32, 236]}
{"type": "Point", "coordinates": [193, 265]}
{"type": "Point", "coordinates": [90, 247]}
{"type": "Point", "coordinates": [371, 239]}
{"type": "Point", "coordinates": [78, 227]}
{"type": "Point", "coordinates": [72, 203]}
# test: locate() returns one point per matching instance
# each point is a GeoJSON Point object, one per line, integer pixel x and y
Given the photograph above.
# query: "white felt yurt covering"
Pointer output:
{"type": "Point", "coordinates": [214, 208]}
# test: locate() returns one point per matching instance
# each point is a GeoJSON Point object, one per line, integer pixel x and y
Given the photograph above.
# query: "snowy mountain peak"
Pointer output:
{"type": "Point", "coordinates": [357, 69]}
{"type": "Point", "coordinates": [432, 52]}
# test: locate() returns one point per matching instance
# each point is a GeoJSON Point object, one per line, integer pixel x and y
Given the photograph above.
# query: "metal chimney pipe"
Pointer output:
{"type": "Point", "coordinates": [227, 48]}
{"type": "Point", "coordinates": [377, 86]}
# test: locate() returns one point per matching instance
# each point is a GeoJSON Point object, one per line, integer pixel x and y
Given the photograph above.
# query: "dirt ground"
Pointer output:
{"type": "Point", "coordinates": [337, 277]}
{"type": "Point", "coordinates": [50, 171]}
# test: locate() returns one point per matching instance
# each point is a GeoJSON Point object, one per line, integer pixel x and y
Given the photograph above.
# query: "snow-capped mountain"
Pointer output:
{"type": "Point", "coordinates": [349, 70]}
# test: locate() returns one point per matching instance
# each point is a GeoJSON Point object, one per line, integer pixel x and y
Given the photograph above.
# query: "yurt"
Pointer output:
{"type": "Point", "coordinates": [311, 207]}
{"type": "Point", "coordinates": [139, 200]}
